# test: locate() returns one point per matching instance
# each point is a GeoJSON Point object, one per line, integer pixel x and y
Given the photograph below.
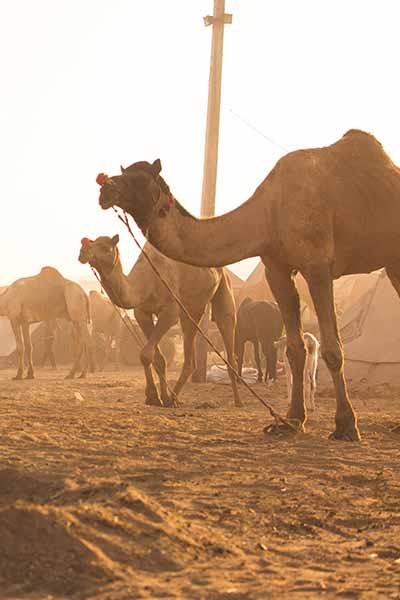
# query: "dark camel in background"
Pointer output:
{"type": "Point", "coordinates": [325, 212]}
{"type": "Point", "coordinates": [46, 297]}
{"type": "Point", "coordinates": [106, 326]}
{"type": "Point", "coordinates": [143, 291]}
{"type": "Point", "coordinates": [259, 322]}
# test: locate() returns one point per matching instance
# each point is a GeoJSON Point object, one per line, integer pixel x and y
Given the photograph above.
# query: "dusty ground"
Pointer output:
{"type": "Point", "coordinates": [102, 497]}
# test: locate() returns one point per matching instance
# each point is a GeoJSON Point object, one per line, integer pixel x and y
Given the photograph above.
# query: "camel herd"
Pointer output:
{"type": "Point", "coordinates": [324, 212]}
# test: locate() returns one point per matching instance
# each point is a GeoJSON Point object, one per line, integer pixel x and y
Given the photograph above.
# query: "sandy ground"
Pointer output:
{"type": "Point", "coordinates": [103, 497]}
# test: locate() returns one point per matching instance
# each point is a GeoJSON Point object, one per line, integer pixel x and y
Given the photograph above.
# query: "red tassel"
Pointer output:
{"type": "Point", "coordinates": [102, 178]}
{"type": "Point", "coordinates": [86, 241]}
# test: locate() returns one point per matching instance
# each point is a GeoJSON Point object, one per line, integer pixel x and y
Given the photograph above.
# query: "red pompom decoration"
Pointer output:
{"type": "Point", "coordinates": [86, 241]}
{"type": "Point", "coordinates": [102, 178]}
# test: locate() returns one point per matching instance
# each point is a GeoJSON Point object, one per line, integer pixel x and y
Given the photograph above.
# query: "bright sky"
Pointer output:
{"type": "Point", "coordinates": [88, 85]}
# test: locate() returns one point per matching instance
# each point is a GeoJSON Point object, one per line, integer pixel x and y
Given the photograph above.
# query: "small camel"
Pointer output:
{"type": "Point", "coordinates": [143, 291]}
{"type": "Point", "coordinates": [258, 322]}
{"type": "Point", "coordinates": [325, 212]}
{"type": "Point", "coordinates": [45, 297]}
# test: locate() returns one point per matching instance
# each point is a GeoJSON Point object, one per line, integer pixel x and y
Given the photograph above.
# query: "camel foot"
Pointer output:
{"type": "Point", "coordinates": [69, 376]}
{"type": "Point", "coordinates": [30, 376]}
{"type": "Point", "coordinates": [82, 376]}
{"type": "Point", "coordinates": [18, 377]}
{"type": "Point", "coordinates": [346, 427]}
{"type": "Point", "coordinates": [153, 401]}
{"type": "Point", "coordinates": [349, 434]}
{"type": "Point", "coordinates": [278, 428]}
{"type": "Point", "coordinates": [170, 401]}
{"type": "Point", "coordinates": [238, 403]}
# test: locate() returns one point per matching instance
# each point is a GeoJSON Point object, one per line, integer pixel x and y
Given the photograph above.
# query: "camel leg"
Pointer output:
{"type": "Point", "coordinates": [224, 312]}
{"type": "Point", "coordinates": [321, 288]}
{"type": "Point", "coordinates": [79, 349]}
{"type": "Point", "coordinates": [283, 288]}
{"type": "Point", "coordinates": [145, 322]}
{"type": "Point", "coordinates": [189, 334]}
{"type": "Point", "coordinates": [50, 354]}
{"type": "Point", "coordinates": [270, 356]}
{"type": "Point", "coordinates": [240, 353]}
{"type": "Point", "coordinates": [226, 326]}
{"type": "Point", "coordinates": [28, 349]}
{"type": "Point", "coordinates": [19, 343]}
{"type": "Point", "coordinates": [256, 346]}
{"type": "Point", "coordinates": [87, 350]}
{"type": "Point", "coordinates": [151, 353]}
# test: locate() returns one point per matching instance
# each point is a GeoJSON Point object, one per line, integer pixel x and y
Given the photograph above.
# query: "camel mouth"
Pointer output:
{"type": "Point", "coordinates": [106, 203]}
{"type": "Point", "coordinates": [83, 259]}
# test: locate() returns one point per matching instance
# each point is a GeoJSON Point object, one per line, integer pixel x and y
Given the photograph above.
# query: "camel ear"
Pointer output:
{"type": "Point", "coordinates": [115, 240]}
{"type": "Point", "coordinates": [156, 166]}
{"type": "Point", "coordinates": [122, 169]}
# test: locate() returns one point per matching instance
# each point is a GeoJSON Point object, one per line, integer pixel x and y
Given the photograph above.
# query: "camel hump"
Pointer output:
{"type": "Point", "coordinates": [51, 272]}
{"type": "Point", "coordinates": [362, 147]}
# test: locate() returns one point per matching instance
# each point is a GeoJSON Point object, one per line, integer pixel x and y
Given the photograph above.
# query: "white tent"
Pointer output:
{"type": "Point", "coordinates": [370, 332]}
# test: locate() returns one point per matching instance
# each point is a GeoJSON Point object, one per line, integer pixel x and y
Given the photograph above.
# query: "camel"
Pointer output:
{"type": "Point", "coordinates": [45, 297]}
{"type": "Point", "coordinates": [143, 291]}
{"type": "Point", "coordinates": [324, 212]}
{"type": "Point", "coordinates": [258, 322]}
{"type": "Point", "coordinates": [107, 323]}
{"type": "Point", "coordinates": [49, 334]}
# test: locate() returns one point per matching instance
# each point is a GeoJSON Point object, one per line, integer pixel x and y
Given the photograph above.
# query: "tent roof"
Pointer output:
{"type": "Point", "coordinates": [369, 327]}
{"type": "Point", "coordinates": [257, 287]}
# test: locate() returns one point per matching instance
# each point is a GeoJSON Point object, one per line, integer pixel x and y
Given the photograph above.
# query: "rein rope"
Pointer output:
{"type": "Point", "coordinates": [272, 411]}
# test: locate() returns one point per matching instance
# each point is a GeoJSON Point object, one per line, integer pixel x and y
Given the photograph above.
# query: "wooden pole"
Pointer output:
{"type": "Point", "coordinates": [218, 20]}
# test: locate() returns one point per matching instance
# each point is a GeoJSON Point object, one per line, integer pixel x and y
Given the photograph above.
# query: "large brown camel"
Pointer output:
{"type": "Point", "coordinates": [46, 297]}
{"type": "Point", "coordinates": [325, 212]}
{"type": "Point", "coordinates": [143, 291]}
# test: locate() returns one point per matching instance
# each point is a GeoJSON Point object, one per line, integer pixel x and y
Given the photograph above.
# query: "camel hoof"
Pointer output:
{"type": "Point", "coordinates": [82, 376]}
{"type": "Point", "coordinates": [238, 404]}
{"type": "Point", "coordinates": [153, 401]}
{"type": "Point", "coordinates": [171, 401]}
{"type": "Point", "coordinates": [279, 429]}
{"type": "Point", "coordinates": [17, 378]}
{"type": "Point", "coordinates": [69, 376]}
{"type": "Point", "coordinates": [350, 434]}
{"type": "Point", "coordinates": [30, 376]}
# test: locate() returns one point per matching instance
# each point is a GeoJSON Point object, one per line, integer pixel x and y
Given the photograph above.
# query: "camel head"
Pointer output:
{"type": "Point", "coordinates": [102, 253]}
{"type": "Point", "coordinates": [139, 190]}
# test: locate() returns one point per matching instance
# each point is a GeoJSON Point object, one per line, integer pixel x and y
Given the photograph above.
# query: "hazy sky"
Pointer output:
{"type": "Point", "coordinates": [87, 85]}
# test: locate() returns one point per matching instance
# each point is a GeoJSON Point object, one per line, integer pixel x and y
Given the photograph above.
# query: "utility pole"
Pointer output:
{"type": "Point", "coordinates": [218, 20]}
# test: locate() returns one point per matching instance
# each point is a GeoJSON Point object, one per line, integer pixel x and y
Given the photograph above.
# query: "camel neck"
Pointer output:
{"type": "Point", "coordinates": [214, 241]}
{"type": "Point", "coordinates": [120, 288]}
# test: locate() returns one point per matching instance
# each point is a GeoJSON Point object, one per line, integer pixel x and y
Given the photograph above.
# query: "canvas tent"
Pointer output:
{"type": "Point", "coordinates": [347, 290]}
{"type": "Point", "coordinates": [257, 288]}
{"type": "Point", "coordinates": [370, 331]}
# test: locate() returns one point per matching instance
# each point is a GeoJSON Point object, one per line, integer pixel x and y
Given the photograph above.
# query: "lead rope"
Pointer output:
{"type": "Point", "coordinates": [135, 335]}
{"type": "Point", "coordinates": [272, 411]}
